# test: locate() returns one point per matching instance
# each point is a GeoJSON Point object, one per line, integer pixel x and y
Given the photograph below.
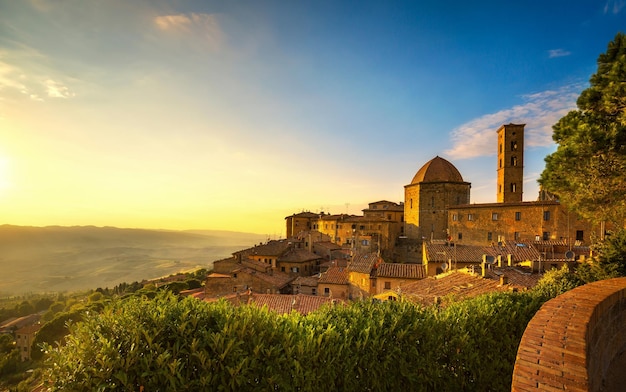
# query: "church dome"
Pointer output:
{"type": "Point", "coordinates": [437, 170]}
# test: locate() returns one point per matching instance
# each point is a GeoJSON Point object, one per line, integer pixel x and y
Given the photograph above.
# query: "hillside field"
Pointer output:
{"type": "Point", "coordinates": [56, 258]}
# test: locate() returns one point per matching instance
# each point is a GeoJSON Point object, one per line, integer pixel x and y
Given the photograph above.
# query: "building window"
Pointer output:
{"type": "Point", "coordinates": [282, 269]}
{"type": "Point", "coordinates": [518, 216]}
{"type": "Point", "coordinates": [314, 291]}
{"type": "Point", "coordinates": [513, 161]}
{"type": "Point", "coordinates": [546, 235]}
{"type": "Point", "coordinates": [387, 285]}
{"type": "Point", "coordinates": [326, 291]}
{"type": "Point", "coordinates": [470, 217]}
{"type": "Point", "coordinates": [455, 217]}
{"type": "Point", "coordinates": [235, 276]}
{"type": "Point", "coordinates": [579, 235]}
{"type": "Point", "coordinates": [388, 216]}
{"type": "Point", "coordinates": [500, 162]}
{"type": "Point", "coordinates": [460, 236]}
{"type": "Point", "coordinates": [513, 146]}
{"type": "Point", "coordinates": [500, 147]}
{"type": "Point", "coordinates": [516, 236]}
{"type": "Point", "coordinates": [513, 187]}
{"type": "Point", "coordinates": [489, 236]}
{"type": "Point", "coordinates": [295, 269]}
{"type": "Point", "coordinates": [411, 202]}
{"type": "Point", "coordinates": [494, 216]}
{"type": "Point", "coordinates": [361, 227]}
{"type": "Point", "coordinates": [546, 215]}
{"type": "Point", "coordinates": [365, 242]}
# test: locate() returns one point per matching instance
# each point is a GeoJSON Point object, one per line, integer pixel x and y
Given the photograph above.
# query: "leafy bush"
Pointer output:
{"type": "Point", "coordinates": [171, 344]}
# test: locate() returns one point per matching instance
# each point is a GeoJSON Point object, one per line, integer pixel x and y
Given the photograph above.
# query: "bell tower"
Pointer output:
{"type": "Point", "coordinates": [510, 163]}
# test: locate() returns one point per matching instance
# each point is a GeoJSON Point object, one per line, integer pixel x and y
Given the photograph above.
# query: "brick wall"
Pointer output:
{"type": "Point", "coordinates": [576, 341]}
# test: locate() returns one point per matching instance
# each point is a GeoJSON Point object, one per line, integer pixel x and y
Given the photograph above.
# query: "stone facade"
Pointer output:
{"type": "Point", "coordinates": [436, 187]}
{"type": "Point", "coordinates": [490, 223]}
{"type": "Point", "coordinates": [510, 163]}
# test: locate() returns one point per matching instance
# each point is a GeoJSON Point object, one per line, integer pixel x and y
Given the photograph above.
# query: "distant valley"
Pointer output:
{"type": "Point", "coordinates": [57, 258]}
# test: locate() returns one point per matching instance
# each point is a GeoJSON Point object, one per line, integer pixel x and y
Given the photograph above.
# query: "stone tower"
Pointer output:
{"type": "Point", "coordinates": [435, 187]}
{"type": "Point", "coordinates": [510, 163]}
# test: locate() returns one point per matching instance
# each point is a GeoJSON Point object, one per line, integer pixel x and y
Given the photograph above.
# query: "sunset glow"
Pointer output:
{"type": "Point", "coordinates": [183, 115]}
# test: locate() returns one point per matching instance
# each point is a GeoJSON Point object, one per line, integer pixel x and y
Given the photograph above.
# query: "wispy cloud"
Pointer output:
{"type": "Point", "coordinates": [539, 112]}
{"type": "Point", "coordinates": [201, 28]}
{"type": "Point", "coordinates": [552, 53]}
{"type": "Point", "coordinates": [614, 6]}
{"type": "Point", "coordinates": [57, 90]}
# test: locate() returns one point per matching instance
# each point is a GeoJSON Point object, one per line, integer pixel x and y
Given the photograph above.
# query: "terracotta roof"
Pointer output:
{"type": "Point", "coordinates": [276, 278]}
{"type": "Point", "coordinates": [298, 256]}
{"type": "Point", "coordinates": [271, 248]}
{"type": "Point", "coordinates": [439, 251]}
{"type": "Point", "coordinates": [334, 275]}
{"type": "Point", "coordinates": [215, 275]}
{"type": "Point", "coordinates": [396, 270]}
{"type": "Point", "coordinates": [306, 281]}
{"type": "Point", "coordinates": [192, 292]}
{"type": "Point", "coordinates": [458, 284]}
{"type": "Point", "coordinates": [517, 277]}
{"type": "Point", "coordinates": [303, 214]}
{"type": "Point", "coordinates": [437, 170]}
{"type": "Point", "coordinates": [364, 262]}
{"type": "Point", "coordinates": [281, 303]}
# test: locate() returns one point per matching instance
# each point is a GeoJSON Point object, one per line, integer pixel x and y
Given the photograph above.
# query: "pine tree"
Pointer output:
{"type": "Point", "coordinates": [588, 169]}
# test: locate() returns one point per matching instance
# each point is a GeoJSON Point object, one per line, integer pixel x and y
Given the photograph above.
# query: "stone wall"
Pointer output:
{"type": "Point", "coordinates": [576, 341]}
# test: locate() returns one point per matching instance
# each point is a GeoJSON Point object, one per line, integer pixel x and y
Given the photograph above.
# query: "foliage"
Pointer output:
{"type": "Point", "coordinates": [54, 331]}
{"type": "Point", "coordinates": [610, 261]}
{"type": "Point", "coordinates": [588, 169]}
{"type": "Point", "coordinates": [556, 282]}
{"type": "Point", "coordinates": [172, 344]}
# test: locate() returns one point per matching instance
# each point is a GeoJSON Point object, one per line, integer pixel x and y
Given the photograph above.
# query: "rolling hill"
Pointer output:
{"type": "Point", "coordinates": [57, 258]}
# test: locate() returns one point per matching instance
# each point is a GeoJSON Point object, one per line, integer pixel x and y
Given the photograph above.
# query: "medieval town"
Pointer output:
{"type": "Point", "coordinates": [433, 245]}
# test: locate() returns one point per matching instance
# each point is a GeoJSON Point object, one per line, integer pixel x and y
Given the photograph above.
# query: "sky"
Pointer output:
{"type": "Point", "coordinates": [232, 115]}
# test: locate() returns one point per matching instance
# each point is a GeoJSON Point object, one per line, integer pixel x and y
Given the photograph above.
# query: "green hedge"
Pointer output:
{"type": "Point", "coordinates": [165, 344]}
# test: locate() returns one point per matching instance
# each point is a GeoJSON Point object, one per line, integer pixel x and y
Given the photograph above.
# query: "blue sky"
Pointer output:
{"type": "Point", "coordinates": [235, 114]}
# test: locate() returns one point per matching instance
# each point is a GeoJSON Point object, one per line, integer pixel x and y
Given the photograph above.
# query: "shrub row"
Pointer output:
{"type": "Point", "coordinates": [165, 344]}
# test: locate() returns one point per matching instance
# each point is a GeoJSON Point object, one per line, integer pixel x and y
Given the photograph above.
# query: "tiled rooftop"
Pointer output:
{"type": "Point", "coordinates": [271, 248]}
{"type": "Point", "coordinates": [298, 256]}
{"type": "Point", "coordinates": [281, 303]}
{"type": "Point", "coordinates": [306, 281]}
{"type": "Point", "coordinates": [364, 262]}
{"type": "Point", "coordinates": [334, 275]}
{"type": "Point", "coordinates": [440, 251]}
{"type": "Point", "coordinates": [276, 278]}
{"type": "Point", "coordinates": [458, 284]}
{"type": "Point", "coordinates": [396, 270]}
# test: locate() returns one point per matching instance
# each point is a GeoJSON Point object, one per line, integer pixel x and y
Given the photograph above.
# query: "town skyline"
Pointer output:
{"type": "Point", "coordinates": [202, 115]}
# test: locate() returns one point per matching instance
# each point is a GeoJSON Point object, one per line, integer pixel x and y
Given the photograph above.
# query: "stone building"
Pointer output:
{"type": "Point", "coordinates": [435, 188]}
{"type": "Point", "coordinates": [511, 219]}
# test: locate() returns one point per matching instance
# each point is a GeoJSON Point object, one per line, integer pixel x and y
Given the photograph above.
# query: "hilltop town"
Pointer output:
{"type": "Point", "coordinates": [433, 245]}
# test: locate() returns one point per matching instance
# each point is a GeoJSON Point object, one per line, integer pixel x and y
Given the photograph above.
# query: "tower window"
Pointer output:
{"type": "Point", "coordinates": [546, 215]}
{"type": "Point", "coordinates": [518, 216]}
{"type": "Point", "coordinates": [514, 146]}
{"type": "Point", "coordinates": [513, 161]}
{"type": "Point", "coordinates": [513, 187]}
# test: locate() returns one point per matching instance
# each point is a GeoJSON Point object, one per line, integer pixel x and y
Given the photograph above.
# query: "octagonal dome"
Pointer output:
{"type": "Point", "coordinates": [437, 170]}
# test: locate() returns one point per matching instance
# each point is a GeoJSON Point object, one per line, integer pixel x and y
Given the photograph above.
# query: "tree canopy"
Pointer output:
{"type": "Point", "coordinates": [588, 170]}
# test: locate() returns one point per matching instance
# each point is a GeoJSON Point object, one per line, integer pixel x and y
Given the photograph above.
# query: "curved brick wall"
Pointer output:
{"type": "Point", "coordinates": [576, 341]}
